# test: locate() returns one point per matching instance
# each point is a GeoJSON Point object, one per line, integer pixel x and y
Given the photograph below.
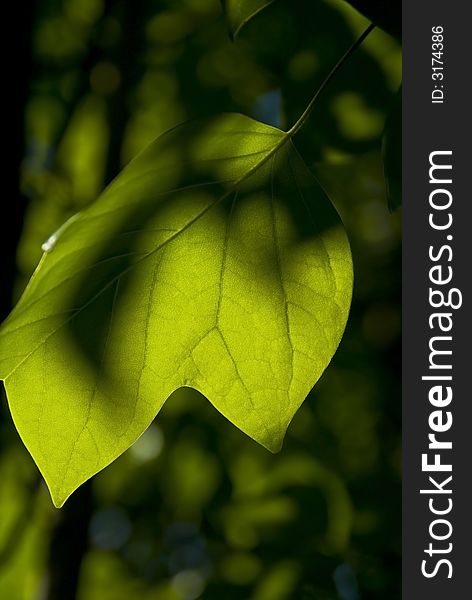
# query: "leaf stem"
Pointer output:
{"type": "Point", "coordinates": [306, 113]}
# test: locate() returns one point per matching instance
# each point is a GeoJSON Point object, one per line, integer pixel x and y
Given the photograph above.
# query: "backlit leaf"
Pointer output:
{"type": "Point", "coordinates": [213, 261]}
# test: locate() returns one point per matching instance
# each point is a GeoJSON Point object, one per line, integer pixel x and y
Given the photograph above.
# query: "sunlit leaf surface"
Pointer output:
{"type": "Point", "coordinates": [213, 261]}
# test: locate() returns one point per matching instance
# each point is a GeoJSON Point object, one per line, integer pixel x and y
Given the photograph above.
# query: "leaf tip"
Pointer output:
{"type": "Point", "coordinates": [59, 493]}
{"type": "Point", "coordinates": [58, 497]}
{"type": "Point", "coordinates": [273, 443]}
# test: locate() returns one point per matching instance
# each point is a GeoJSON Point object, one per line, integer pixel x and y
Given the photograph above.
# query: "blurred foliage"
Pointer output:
{"type": "Point", "coordinates": [392, 153]}
{"type": "Point", "coordinates": [195, 509]}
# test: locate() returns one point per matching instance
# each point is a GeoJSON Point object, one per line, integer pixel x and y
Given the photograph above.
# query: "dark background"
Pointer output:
{"type": "Point", "coordinates": [195, 509]}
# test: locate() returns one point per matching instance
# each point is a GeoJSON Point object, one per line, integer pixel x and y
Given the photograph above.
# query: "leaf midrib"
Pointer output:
{"type": "Point", "coordinates": [286, 136]}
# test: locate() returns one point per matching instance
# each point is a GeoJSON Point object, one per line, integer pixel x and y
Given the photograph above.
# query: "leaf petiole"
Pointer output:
{"type": "Point", "coordinates": [306, 113]}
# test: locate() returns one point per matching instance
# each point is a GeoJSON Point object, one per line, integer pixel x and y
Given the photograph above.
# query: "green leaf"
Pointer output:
{"type": "Point", "coordinates": [240, 12]}
{"type": "Point", "coordinates": [213, 261]}
{"type": "Point", "coordinates": [392, 154]}
{"type": "Point", "coordinates": [387, 14]}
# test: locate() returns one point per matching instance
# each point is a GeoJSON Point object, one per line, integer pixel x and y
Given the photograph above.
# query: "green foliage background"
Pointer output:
{"type": "Point", "coordinates": [195, 509]}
